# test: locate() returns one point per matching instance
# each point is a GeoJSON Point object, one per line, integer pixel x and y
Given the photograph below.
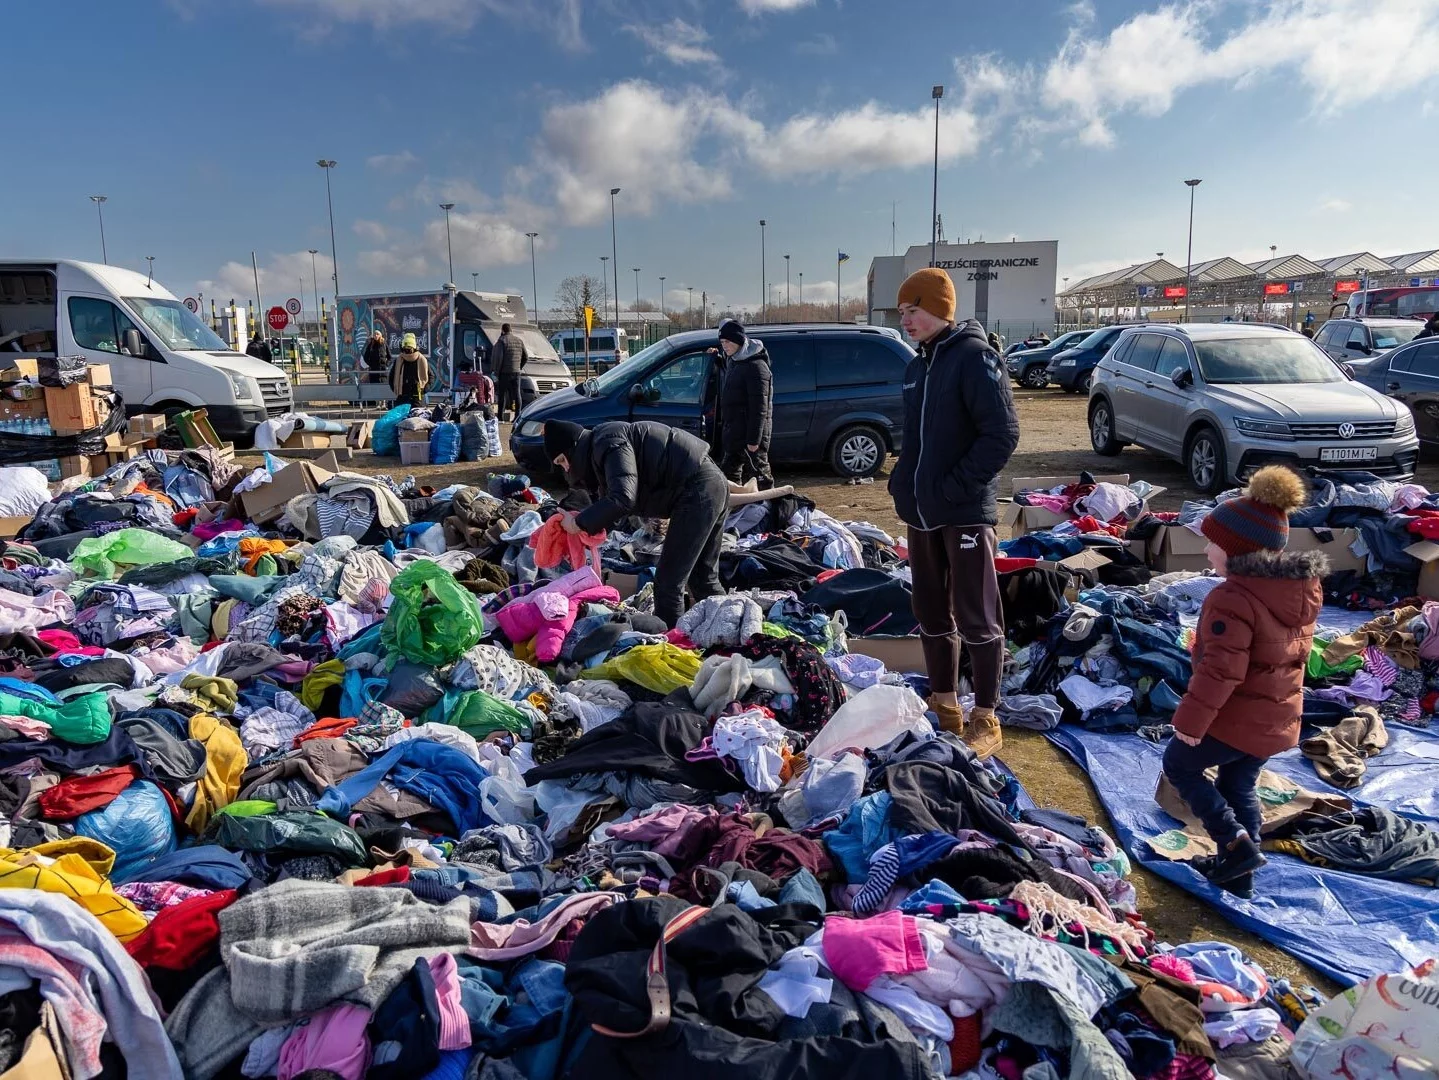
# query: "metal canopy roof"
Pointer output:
{"type": "Point", "coordinates": [1342, 265]}
{"type": "Point", "coordinates": [1223, 269]}
{"type": "Point", "coordinates": [1286, 266]}
{"type": "Point", "coordinates": [1416, 262]}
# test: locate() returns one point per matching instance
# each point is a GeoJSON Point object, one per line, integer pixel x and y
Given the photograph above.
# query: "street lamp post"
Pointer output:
{"type": "Point", "coordinates": [150, 276]}
{"type": "Point", "coordinates": [99, 201]}
{"type": "Point", "coordinates": [449, 251]}
{"type": "Point", "coordinates": [605, 280]}
{"type": "Point", "coordinates": [327, 164]}
{"type": "Point", "coordinates": [662, 297]}
{"type": "Point", "coordinates": [787, 315]}
{"type": "Point", "coordinates": [1189, 258]}
{"type": "Point", "coordinates": [636, 269]}
{"type": "Point", "coordinates": [534, 279]}
{"type": "Point", "coordinates": [315, 281]}
{"type": "Point", "coordinates": [937, 92]}
{"type": "Point", "coordinates": [801, 288]}
{"type": "Point", "coordinates": [1066, 289]}
{"type": "Point", "coordinates": [475, 280]}
{"type": "Point", "coordinates": [690, 311]}
{"type": "Point", "coordinates": [615, 251]}
{"type": "Point", "coordinates": [763, 283]}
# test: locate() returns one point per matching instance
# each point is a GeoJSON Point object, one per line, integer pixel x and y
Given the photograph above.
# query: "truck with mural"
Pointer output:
{"type": "Point", "coordinates": [454, 329]}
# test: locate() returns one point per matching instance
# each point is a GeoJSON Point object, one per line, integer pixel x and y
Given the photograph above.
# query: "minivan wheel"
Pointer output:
{"type": "Point", "coordinates": [1086, 382]}
{"type": "Point", "coordinates": [1101, 429]}
{"type": "Point", "coordinates": [1204, 459]}
{"type": "Point", "coordinates": [857, 450]}
{"type": "Point", "coordinates": [1036, 377]}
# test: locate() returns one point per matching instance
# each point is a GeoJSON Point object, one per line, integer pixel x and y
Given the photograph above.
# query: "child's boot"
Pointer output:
{"type": "Point", "coordinates": [1241, 856]}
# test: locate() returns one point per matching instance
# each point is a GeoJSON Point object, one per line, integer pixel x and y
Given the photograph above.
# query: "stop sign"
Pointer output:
{"type": "Point", "coordinates": [278, 318]}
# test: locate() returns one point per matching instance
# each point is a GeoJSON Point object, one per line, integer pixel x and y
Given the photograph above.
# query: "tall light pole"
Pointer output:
{"type": "Point", "coordinates": [636, 269]}
{"type": "Point", "coordinates": [662, 296]}
{"type": "Point", "coordinates": [1066, 290]}
{"type": "Point", "coordinates": [150, 277]}
{"type": "Point", "coordinates": [99, 201]}
{"type": "Point", "coordinates": [475, 280]}
{"type": "Point", "coordinates": [327, 164]}
{"type": "Point", "coordinates": [615, 251]}
{"type": "Point", "coordinates": [801, 288]}
{"type": "Point", "coordinates": [534, 280]}
{"type": "Point", "coordinates": [449, 251]}
{"type": "Point", "coordinates": [763, 281]}
{"type": "Point", "coordinates": [690, 311]}
{"type": "Point", "coordinates": [315, 281]}
{"type": "Point", "coordinates": [936, 93]}
{"type": "Point", "coordinates": [605, 281]}
{"type": "Point", "coordinates": [1189, 258]}
{"type": "Point", "coordinates": [787, 315]}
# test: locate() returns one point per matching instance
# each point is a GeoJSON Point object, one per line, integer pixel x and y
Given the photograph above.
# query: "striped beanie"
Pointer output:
{"type": "Point", "coordinates": [1258, 519]}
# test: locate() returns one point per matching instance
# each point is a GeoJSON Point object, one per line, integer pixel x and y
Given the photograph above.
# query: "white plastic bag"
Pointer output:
{"type": "Point", "coordinates": [872, 718]}
{"type": "Point", "coordinates": [1387, 1026]}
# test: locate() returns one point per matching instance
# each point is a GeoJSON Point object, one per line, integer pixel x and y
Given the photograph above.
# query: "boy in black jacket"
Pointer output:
{"type": "Point", "coordinates": [960, 429]}
{"type": "Point", "coordinates": [746, 407]}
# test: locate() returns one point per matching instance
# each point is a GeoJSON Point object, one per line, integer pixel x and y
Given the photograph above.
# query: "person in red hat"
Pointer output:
{"type": "Point", "coordinates": [1245, 697]}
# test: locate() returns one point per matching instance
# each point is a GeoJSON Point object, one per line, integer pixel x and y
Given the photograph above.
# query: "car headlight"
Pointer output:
{"type": "Point", "coordinates": [1265, 429]}
{"type": "Point", "coordinates": [530, 428]}
{"type": "Point", "coordinates": [246, 389]}
{"type": "Point", "coordinates": [1405, 424]}
{"type": "Point", "coordinates": [1068, 361]}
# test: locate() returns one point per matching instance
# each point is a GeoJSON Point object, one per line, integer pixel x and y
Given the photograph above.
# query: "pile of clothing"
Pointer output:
{"type": "Point", "coordinates": [289, 800]}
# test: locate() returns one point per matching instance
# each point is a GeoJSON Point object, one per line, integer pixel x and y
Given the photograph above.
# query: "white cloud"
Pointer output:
{"type": "Point", "coordinates": [677, 41]}
{"type": "Point", "coordinates": [481, 240]}
{"type": "Point", "coordinates": [761, 7]}
{"type": "Point", "coordinates": [864, 139]}
{"type": "Point", "coordinates": [1327, 49]}
{"type": "Point", "coordinates": [372, 231]}
{"type": "Point", "coordinates": [281, 275]}
{"type": "Point", "coordinates": [393, 162]}
{"type": "Point", "coordinates": [560, 18]}
{"type": "Point", "coordinates": [393, 263]}
{"type": "Point", "coordinates": [1336, 206]}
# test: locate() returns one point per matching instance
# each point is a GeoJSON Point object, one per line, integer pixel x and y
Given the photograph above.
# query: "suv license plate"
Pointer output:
{"type": "Point", "coordinates": [1349, 453]}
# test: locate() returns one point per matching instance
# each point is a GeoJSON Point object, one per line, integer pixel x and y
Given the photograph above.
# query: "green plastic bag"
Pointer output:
{"type": "Point", "coordinates": [82, 720]}
{"type": "Point", "coordinates": [433, 619]}
{"type": "Point", "coordinates": [99, 555]}
{"type": "Point", "coordinates": [477, 713]}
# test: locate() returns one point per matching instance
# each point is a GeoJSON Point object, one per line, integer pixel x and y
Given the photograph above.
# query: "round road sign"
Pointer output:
{"type": "Point", "coordinates": [192, 303]}
{"type": "Point", "coordinates": [293, 306]}
{"type": "Point", "coordinates": [278, 318]}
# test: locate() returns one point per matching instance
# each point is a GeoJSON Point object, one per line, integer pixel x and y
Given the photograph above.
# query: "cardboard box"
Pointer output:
{"type": "Point", "coordinates": [1334, 543]}
{"type": "Point", "coordinates": [359, 435]}
{"type": "Point", "coordinates": [73, 408]}
{"type": "Point", "coordinates": [17, 368]}
{"type": "Point", "coordinates": [900, 654]}
{"type": "Point", "coordinates": [1175, 547]}
{"type": "Point", "coordinates": [99, 375]}
{"type": "Point", "coordinates": [412, 435]}
{"type": "Point", "coordinates": [307, 440]}
{"type": "Point", "coordinates": [29, 409]}
{"type": "Point", "coordinates": [10, 526]}
{"type": "Point", "coordinates": [1427, 552]}
{"type": "Point", "coordinates": [76, 466]}
{"type": "Point", "coordinates": [267, 502]}
{"type": "Point", "coordinates": [624, 584]}
{"type": "Point", "coordinates": [1028, 519]}
{"type": "Point", "coordinates": [148, 424]}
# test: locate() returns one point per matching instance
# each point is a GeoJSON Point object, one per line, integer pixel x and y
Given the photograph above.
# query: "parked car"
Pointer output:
{"type": "Point", "coordinates": [838, 395]}
{"type": "Point", "coordinates": [1072, 369]}
{"type": "Point", "coordinates": [1226, 398]}
{"type": "Point", "coordinates": [1030, 367]}
{"type": "Point", "coordinates": [1360, 338]}
{"type": "Point", "coordinates": [1409, 374]}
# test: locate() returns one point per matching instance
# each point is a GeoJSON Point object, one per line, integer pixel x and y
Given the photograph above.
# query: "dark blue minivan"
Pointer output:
{"type": "Point", "coordinates": [838, 395]}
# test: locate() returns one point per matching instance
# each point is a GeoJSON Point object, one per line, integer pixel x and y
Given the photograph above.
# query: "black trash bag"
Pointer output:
{"type": "Point", "coordinates": [413, 688]}
{"type": "Point", "coordinates": [62, 370]}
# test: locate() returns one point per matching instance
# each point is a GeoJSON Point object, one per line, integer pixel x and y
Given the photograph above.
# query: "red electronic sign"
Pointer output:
{"type": "Point", "coordinates": [1175, 292]}
{"type": "Point", "coordinates": [1276, 288]}
{"type": "Point", "coordinates": [1346, 286]}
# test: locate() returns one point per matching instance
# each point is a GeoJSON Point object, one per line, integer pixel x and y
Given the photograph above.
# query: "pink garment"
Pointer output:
{"type": "Point", "coordinates": [664, 830]}
{"type": "Point", "coordinates": [170, 657]}
{"type": "Point", "coordinates": [66, 987]}
{"type": "Point", "coordinates": [454, 1023]}
{"type": "Point", "coordinates": [27, 726]}
{"type": "Point", "coordinates": [552, 545]}
{"type": "Point", "coordinates": [208, 530]}
{"type": "Point", "coordinates": [334, 1039]}
{"type": "Point", "coordinates": [508, 941]}
{"type": "Point", "coordinates": [859, 951]}
{"type": "Point", "coordinates": [64, 639]}
{"type": "Point", "coordinates": [29, 613]}
{"type": "Point", "coordinates": [1055, 504]}
{"type": "Point", "coordinates": [524, 618]}
{"type": "Point", "coordinates": [1429, 647]}
{"type": "Point", "coordinates": [1176, 966]}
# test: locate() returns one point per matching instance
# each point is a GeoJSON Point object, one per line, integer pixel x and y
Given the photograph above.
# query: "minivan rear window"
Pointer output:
{"type": "Point", "coordinates": [858, 361]}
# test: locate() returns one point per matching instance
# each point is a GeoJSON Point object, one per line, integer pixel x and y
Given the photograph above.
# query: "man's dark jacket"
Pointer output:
{"type": "Point", "coordinates": [638, 468]}
{"type": "Point", "coordinates": [746, 400]}
{"type": "Point", "coordinates": [960, 429]}
{"type": "Point", "coordinates": [508, 355]}
{"type": "Point", "coordinates": [377, 355]}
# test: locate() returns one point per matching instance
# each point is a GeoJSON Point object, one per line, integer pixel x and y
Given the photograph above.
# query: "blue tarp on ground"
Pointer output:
{"type": "Point", "coordinates": [1348, 926]}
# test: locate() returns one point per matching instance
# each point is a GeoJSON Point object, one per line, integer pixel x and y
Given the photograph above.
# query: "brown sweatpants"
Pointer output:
{"type": "Point", "coordinates": [956, 599]}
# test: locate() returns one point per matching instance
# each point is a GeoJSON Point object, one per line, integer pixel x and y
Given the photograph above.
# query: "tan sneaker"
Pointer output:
{"type": "Point", "coordinates": [984, 736]}
{"type": "Point", "coordinates": [951, 717]}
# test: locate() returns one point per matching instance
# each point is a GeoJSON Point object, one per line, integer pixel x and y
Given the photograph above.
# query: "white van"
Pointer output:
{"type": "Point", "coordinates": [608, 345]}
{"type": "Point", "coordinates": [161, 356]}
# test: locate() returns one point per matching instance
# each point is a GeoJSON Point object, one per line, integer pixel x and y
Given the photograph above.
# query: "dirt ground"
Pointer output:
{"type": "Point", "coordinates": [1054, 441]}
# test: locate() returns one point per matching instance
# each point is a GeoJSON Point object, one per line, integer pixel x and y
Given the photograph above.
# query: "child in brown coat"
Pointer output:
{"type": "Point", "coordinates": [1246, 695]}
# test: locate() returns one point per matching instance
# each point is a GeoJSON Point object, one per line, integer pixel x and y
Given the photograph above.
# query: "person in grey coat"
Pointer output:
{"type": "Point", "coordinates": [507, 358]}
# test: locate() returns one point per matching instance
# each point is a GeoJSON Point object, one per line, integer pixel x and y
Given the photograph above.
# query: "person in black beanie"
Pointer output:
{"type": "Point", "coordinates": [655, 471]}
{"type": "Point", "coordinates": [746, 407]}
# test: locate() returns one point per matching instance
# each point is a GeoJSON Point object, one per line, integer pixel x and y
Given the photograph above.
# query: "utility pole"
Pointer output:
{"type": "Point", "coordinates": [937, 92]}
{"type": "Point", "coordinates": [99, 201]}
{"type": "Point", "coordinates": [534, 280]}
{"type": "Point", "coordinates": [1189, 259]}
{"type": "Point", "coordinates": [615, 253]}
{"type": "Point", "coordinates": [763, 286]}
{"type": "Point", "coordinates": [449, 251]}
{"type": "Point", "coordinates": [327, 164]}
{"type": "Point", "coordinates": [787, 315]}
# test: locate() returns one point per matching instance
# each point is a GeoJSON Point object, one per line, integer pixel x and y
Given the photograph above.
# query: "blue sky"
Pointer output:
{"type": "Point", "coordinates": [1310, 122]}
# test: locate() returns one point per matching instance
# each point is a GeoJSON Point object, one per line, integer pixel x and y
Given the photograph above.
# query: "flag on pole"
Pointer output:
{"type": "Point", "coordinates": [843, 257]}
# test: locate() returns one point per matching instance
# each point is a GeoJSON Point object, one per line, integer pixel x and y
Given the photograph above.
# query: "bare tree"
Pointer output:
{"type": "Point", "coordinates": [642, 305]}
{"type": "Point", "coordinates": [579, 291]}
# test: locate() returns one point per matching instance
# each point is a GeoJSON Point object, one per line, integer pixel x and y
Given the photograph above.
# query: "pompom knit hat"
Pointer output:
{"type": "Point", "coordinates": [1258, 519]}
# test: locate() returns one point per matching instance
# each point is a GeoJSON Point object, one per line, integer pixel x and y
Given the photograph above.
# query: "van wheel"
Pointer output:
{"type": "Point", "coordinates": [1101, 429]}
{"type": "Point", "coordinates": [857, 450]}
{"type": "Point", "coordinates": [1205, 462]}
{"type": "Point", "coordinates": [1036, 377]}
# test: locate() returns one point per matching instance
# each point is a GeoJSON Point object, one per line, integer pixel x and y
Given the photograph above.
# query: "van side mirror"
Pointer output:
{"type": "Point", "coordinates": [1365, 349]}
{"type": "Point", "coordinates": [637, 394]}
{"type": "Point", "coordinates": [133, 343]}
{"type": "Point", "coordinates": [1181, 377]}
{"type": "Point", "coordinates": [1347, 369]}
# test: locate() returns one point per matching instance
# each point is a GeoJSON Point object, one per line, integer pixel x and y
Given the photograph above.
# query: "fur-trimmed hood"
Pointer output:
{"type": "Point", "coordinates": [1279, 564]}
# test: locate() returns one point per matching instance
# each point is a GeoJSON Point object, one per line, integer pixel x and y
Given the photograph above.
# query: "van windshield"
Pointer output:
{"type": "Point", "coordinates": [628, 371]}
{"type": "Point", "coordinates": [175, 325]}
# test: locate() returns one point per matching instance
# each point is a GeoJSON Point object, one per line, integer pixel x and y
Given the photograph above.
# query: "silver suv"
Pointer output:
{"type": "Point", "coordinates": [1226, 398]}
